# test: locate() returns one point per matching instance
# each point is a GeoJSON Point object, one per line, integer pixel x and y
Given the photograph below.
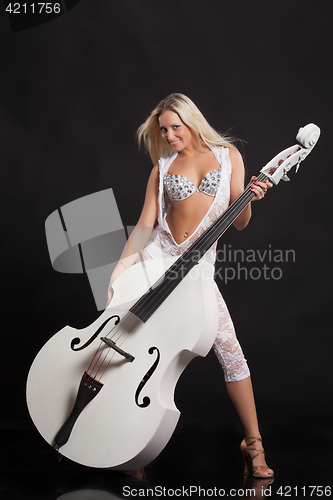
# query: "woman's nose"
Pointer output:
{"type": "Point", "coordinates": [170, 134]}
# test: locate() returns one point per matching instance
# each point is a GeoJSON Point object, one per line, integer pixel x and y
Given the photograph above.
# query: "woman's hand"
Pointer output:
{"type": "Point", "coordinates": [259, 188]}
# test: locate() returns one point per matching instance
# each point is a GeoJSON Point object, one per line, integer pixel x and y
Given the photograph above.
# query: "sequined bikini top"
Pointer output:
{"type": "Point", "coordinates": [179, 187]}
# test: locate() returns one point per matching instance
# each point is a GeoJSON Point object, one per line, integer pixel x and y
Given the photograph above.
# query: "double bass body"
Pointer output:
{"type": "Point", "coordinates": [133, 416]}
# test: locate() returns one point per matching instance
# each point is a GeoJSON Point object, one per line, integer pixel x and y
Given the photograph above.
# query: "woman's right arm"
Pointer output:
{"type": "Point", "coordinates": [150, 207]}
{"type": "Point", "coordinates": [142, 231]}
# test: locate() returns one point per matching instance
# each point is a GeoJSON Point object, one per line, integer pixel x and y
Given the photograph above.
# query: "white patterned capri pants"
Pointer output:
{"type": "Point", "coordinates": [226, 345]}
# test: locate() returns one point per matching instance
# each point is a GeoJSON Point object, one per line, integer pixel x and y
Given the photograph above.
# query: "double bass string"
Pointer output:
{"type": "Point", "coordinates": [105, 359]}
{"type": "Point", "coordinates": [201, 244]}
{"type": "Point", "coordinates": [164, 289]}
{"type": "Point", "coordinates": [204, 242]}
{"type": "Point", "coordinates": [97, 360]}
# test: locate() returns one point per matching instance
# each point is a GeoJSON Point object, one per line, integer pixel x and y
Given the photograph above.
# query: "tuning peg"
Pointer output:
{"type": "Point", "coordinates": [285, 177]}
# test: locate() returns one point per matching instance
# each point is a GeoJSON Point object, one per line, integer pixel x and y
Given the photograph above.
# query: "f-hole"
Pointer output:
{"type": "Point", "coordinates": [92, 338]}
{"type": "Point", "coordinates": [146, 399]}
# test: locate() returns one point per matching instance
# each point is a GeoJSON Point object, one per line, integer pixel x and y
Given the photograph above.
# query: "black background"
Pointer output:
{"type": "Point", "coordinates": [73, 93]}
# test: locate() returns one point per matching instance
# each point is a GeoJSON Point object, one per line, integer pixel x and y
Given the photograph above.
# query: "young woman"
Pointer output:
{"type": "Point", "coordinates": [197, 174]}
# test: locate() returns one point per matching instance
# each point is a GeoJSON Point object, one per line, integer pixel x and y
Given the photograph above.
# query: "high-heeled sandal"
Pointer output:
{"type": "Point", "coordinates": [262, 471]}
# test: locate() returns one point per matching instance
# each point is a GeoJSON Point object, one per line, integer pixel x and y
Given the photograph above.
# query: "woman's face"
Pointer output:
{"type": "Point", "coordinates": [174, 131]}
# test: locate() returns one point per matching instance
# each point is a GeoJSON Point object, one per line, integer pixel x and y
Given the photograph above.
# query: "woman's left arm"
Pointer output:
{"type": "Point", "coordinates": [237, 187]}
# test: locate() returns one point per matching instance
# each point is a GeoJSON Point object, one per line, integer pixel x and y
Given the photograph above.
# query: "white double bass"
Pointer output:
{"type": "Point", "coordinates": [104, 395]}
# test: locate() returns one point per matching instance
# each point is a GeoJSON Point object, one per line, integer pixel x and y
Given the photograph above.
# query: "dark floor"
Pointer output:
{"type": "Point", "coordinates": [195, 457]}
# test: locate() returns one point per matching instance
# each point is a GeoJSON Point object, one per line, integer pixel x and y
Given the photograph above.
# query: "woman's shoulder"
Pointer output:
{"type": "Point", "coordinates": [164, 162]}
{"type": "Point", "coordinates": [223, 154]}
{"type": "Point", "coordinates": [154, 171]}
{"type": "Point", "coordinates": [226, 150]}
{"type": "Point", "coordinates": [228, 157]}
{"type": "Point", "coordinates": [236, 161]}
{"type": "Point", "coordinates": [234, 154]}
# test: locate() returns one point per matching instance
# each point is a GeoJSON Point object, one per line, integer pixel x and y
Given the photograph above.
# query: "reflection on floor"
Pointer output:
{"type": "Point", "coordinates": [197, 463]}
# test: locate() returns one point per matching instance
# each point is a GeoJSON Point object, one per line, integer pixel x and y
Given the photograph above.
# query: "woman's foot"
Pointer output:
{"type": "Point", "coordinates": [253, 453]}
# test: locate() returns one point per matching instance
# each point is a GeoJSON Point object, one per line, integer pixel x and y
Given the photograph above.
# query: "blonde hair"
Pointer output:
{"type": "Point", "coordinates": [190, 115]}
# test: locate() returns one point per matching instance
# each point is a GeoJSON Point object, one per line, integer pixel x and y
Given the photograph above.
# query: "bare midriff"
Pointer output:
{"type": "Point", "coordinates": [185, 215]}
